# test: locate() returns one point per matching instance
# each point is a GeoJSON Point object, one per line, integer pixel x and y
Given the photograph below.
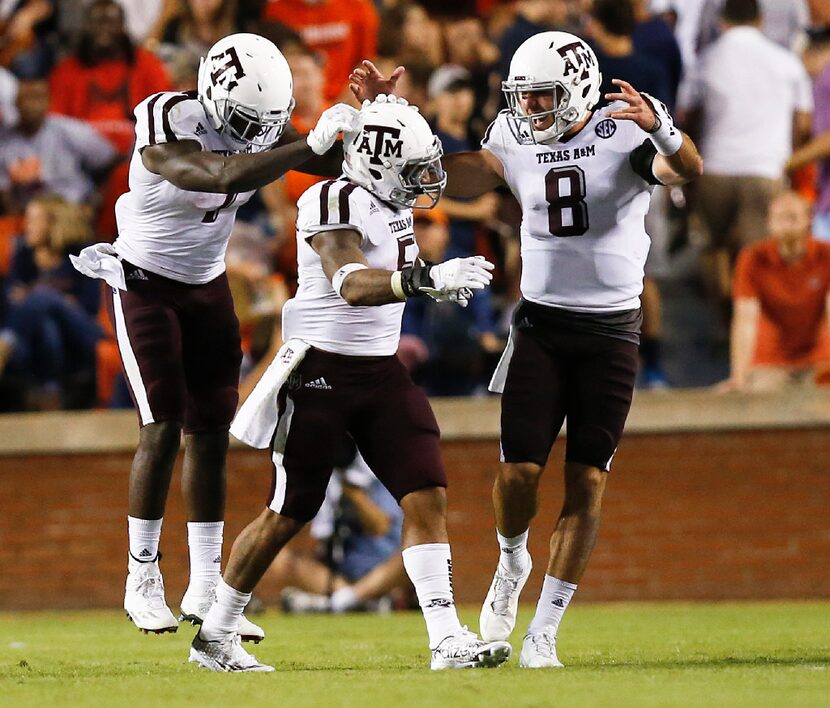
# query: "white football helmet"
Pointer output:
{"type": "Point", "coordinates": [246, 89]}
{"type": "Point", "coordinates": [555, 62]}
{"type": "Point", "coordinates": [394, 154]}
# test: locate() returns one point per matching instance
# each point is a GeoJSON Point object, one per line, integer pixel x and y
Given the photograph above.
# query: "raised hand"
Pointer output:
{"type": "Point", "coordinates": [366, 81]}
{"type": "Point", "coordinates": [639, 109]}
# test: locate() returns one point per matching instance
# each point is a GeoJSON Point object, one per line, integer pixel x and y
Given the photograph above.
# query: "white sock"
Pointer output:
{"type": "Point", "coordinates": [556, 594]}
{"type": "Point", "coordinates": [344, 599]}
{"type": "Point", "coordinates": [144, 535]}
{"type": "Point", "coordinates": [429, 567]}
{"type": "Point", "coordinates": [223, 617]}
{"type": "Point", "coordinates": [204, 540]}
{"type": "Point", "coordinates": [514, 557]}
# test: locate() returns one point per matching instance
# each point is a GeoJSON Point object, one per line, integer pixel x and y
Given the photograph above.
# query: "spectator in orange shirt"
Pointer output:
{"type": "Point", "coordinates": [106, 76]}
{"type": "Point", "coordinates": [344, 31]}
{"type": "Point", "coordinates": [780, 327]}
{"type": "Point", "coordinates": [100, 82]}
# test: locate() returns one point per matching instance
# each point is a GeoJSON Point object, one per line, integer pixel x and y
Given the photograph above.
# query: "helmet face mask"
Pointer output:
{"type": "Point", "coordinates": [423, 177]}
{"type": "Point", "coordinates": [245, 86]}
{"type": "Point", "coordinates": [526, 126]}
{"type": "Point", "coordinates": [248, 127]}
{"type": "Point", "coordinates": [394, 154]}
{"type": "Point", "coordinates": [555, 64]}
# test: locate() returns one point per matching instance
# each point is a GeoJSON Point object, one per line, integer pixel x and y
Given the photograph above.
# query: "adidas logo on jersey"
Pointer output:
{"type": "Point", "coordinates": [318, 383]}
{"type": "Point", "coordinates": [200, 129]}
{"type": "Point", "coordinates": [373, 208]}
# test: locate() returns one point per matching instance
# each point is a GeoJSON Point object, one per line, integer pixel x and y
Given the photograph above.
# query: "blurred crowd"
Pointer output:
{"type": "Point", "coordinates": [748, 79]}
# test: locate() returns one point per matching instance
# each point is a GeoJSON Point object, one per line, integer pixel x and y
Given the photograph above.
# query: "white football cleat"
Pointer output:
{"type": "Point", "coordinates": [539, 651]}
{"type": "Point", "coordinates": [144, 600]}
{"type": "Point", "coordinates": [194, 607]}
{"type": "Point", "coordinates": [498, 613]}
{"type": "Point", "coordinates": [465, 650]}
{"type": "Point", "coordinates": [224, 655]}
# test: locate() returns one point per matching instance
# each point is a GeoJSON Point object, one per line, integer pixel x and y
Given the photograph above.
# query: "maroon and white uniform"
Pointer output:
{"type": "Point", "coordinates": [175, 323]}
{"type": "Point", "coordinates": [350, 383]}
{"type": "Point", "coordinates": [575, 335]}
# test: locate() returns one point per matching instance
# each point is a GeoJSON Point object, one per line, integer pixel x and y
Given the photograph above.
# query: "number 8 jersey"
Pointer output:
{"type": "Point", "coordinates": [169, 231]}
{"type": "Point", "coordinates": [584, 201]}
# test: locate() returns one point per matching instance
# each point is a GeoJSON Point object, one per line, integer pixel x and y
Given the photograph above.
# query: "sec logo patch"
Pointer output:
{"type": "Point", "coordinates": [606, 128]}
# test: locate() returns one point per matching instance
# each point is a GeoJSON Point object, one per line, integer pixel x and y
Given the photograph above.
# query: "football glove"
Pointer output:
{"type": "Point", "coordinates": [451, 281]}
{"type": "Point", "coordinates": [340, 118]}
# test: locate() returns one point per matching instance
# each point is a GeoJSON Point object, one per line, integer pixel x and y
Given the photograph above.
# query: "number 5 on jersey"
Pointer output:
{"type": "Point", "coordinates": [567, 210]}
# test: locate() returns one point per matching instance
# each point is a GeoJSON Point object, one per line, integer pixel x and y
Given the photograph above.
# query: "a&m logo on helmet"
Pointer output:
{"type": "Point", "coordinates": [227, 69]}
{"type": "Point", "coordinates": [577, 57]}
{"type": "Point", "coordinates": [385, 143]}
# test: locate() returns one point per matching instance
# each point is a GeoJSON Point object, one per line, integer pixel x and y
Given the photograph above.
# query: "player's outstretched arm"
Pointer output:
{"type": "Point", "coordinates": [345, 266]}
{"type": "Point", "coordinates": [678, 160]}
{"type": "Point", "coordinates": [184, 163]}
{"type": "Point", "coordinates": [471, 174]}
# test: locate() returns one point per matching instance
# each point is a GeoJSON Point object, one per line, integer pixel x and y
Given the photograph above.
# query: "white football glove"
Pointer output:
{"type": "Point", "coordinates": [387, 98]}
{"type": "Point", "coordinates": [340, 118]}
{"type": "Point", "coordinates": [455, 280]}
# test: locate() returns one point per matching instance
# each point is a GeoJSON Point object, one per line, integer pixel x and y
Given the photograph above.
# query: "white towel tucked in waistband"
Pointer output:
{"type": "Point", "coordinates": [101, 261]}
{"type": "Point", "coordinates": [256, 420]}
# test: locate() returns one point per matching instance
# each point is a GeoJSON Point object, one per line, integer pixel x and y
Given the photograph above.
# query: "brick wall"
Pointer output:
{"type": "Point", "coordinates": [693, 516]}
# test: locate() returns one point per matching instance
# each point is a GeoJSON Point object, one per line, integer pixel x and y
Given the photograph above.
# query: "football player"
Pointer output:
{"type": "Point", "coordinates": [583, 177]}
{"type": "Point", "coordinates": [198, 157]}
{"type": "Point", "coordinates": [357, 264]}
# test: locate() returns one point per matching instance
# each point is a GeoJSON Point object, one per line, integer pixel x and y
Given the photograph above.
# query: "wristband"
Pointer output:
{"type": "Point", "coordinates": [397, 287]}
{"type": "Point", "coordinates": [413, 278]}
{"type": "Point", "coordinates": [665, 136]}
{"type": "Point", "coordinates": [339, 276]}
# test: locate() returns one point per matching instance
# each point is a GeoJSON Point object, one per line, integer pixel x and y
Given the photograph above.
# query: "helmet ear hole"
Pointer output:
{"type": "Point", "coordinates": [586, 91]}
{"type": "Point", "coordinates": [375, 174]}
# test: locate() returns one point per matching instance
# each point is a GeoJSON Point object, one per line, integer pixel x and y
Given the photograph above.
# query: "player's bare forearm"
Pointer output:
{"type": "Point", "coordinates": [329, 164]}
{"type": "Point", "coordinates": [471, 174]}
{"type": "Point", "coordinates": [366, 287]}
{"type": "Point", "coordinates": [681, 167]}
{"type": "Point", "coordinates": [196, 170]}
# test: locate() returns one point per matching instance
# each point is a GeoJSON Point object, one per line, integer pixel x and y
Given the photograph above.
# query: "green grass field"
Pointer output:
{"type": "Point", "coordinates": [669, 654]}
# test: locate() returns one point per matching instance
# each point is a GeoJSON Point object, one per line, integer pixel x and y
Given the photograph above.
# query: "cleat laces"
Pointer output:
{"type": "Point", "coordinates": [505, 587]}
{"type": "Point", "coordinates": [545, 644]}
{"type": "Point", "coordinates": [239, 657]}
{"type": "Point", "coordinates": [151, 588]}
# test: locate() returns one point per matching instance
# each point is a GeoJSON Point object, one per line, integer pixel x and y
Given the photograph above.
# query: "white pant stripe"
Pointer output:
{"type": "Point", "coordinates": [280, 439]}
{"type": "Point", "coordinates": [128, 359]}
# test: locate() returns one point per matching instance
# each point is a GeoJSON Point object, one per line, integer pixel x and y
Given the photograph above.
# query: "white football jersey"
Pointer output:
{"type": "Point", "coordinates": [169, 231]}
{"type": "Point", "coordinates": [317, 314]}
{"type": "Point", "coordinates": [583, 238]}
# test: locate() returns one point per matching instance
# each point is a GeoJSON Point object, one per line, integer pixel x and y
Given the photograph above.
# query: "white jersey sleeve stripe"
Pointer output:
{"type": "Point", "coordinates": [334, 202]}
{"type": "Point", "coordinates": [151, 119]}
{"type": "Point", "coordinates": [324, 202]}
{"type": "Point", "coordinates": [169, 135]}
